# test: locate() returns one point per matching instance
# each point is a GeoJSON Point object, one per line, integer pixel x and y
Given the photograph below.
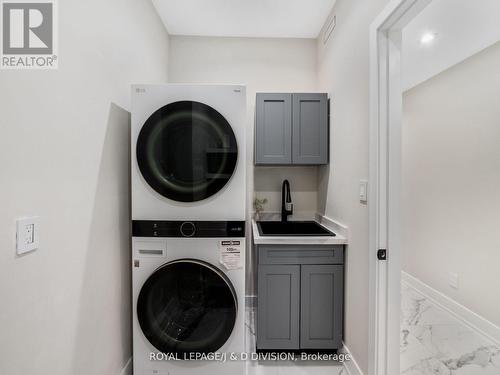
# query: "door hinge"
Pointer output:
{"type": "Point", "coordinates": [382, 254]}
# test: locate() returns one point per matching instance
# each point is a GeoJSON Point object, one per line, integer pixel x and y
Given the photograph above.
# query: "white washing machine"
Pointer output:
{"type": "Point", "coordinates": [185, 302]}
{"type": "Point", "coordinates": [188, 152]}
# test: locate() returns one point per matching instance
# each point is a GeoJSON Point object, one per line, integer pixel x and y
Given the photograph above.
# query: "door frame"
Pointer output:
{"type": "Point", "coordinates": [386, 101]}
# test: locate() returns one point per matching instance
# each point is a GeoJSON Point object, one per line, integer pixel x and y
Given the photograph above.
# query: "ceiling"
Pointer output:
{"type": "Point", "coordinates": [462, 28]}
{"type": "Point", "coordinates": [244, 18]}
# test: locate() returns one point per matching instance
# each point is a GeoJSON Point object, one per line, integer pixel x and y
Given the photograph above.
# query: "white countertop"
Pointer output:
{"type": "Point", "coordinates": [339, 238]}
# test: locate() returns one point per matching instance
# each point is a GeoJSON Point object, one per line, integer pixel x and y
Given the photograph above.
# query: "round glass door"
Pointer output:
{"type": "Point", "coordinates": [187, 306]}
{"type": "Point", "coordinates": [187, 151]}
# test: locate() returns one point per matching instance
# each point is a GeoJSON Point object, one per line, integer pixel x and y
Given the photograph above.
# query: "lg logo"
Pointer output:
{"type": "Point", "coordinates": [28, 34]}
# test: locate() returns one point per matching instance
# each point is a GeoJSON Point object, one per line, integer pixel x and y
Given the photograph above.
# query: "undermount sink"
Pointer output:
{"type": "Point", "coordinates": [292, 228]}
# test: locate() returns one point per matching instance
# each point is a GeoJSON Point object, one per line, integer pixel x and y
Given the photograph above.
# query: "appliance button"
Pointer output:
{"type": "Point", "coordinates": [188, 229]}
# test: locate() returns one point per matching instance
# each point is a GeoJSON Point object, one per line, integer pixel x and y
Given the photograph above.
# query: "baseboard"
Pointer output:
{"type": "Point", "coordinates": [127, 369]}
{"type": "Point", "coordinates": [351, 366]}
{"type": "Point", "coordinates": [474, 321]}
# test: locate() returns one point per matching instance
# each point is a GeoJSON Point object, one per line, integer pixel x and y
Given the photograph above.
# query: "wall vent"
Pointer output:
{"type": "Point", "coordinates": [330, 24]}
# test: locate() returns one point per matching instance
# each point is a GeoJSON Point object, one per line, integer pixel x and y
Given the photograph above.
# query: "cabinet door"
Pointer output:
{"type": "Point", "coordinates": [321, 310]}
{"type": "Point", "coordinates": [278, 307]}
{"type": "Point", "coordinates": [310, 129]}
{"type": "Point", "coordinates": [273, 129]}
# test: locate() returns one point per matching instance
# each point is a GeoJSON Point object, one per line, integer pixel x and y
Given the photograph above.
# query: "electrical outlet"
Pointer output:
{"type": "Point", "coordinates": [30, 234]}
{"type": "Point", "coordinates": [453, 279]}
{"type": "Point", "coordinates": [27, 234]}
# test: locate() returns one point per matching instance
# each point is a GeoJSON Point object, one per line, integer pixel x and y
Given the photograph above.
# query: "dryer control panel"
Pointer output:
{"type": "Point", "coordinates": [197, 229]}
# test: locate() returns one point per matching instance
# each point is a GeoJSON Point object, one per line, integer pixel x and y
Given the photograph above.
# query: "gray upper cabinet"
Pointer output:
{"type": "Point", "coordinates": [321, 307]}
{"type": "Point", "coordinates": [291, 129]}
{"type": "Point", "coordinates": [273, 133]}
{"type": "Point", "coordinates": [278, 307]}
{"type": "Point", "coordinates": [310, 129]}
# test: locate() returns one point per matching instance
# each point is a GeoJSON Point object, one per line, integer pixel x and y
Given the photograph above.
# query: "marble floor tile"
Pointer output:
{"type": "Point", "coordinates": [435, 342]}
{"type": "Point", "coordinates": [412, 352]}
{"type": "Point", "coordinates": [426, 366]}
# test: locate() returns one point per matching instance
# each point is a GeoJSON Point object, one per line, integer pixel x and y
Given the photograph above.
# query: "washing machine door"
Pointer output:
{"type": "Point", "coordinates": [187, 151]}
{"type": "Point", "coordinates": [187, 306]}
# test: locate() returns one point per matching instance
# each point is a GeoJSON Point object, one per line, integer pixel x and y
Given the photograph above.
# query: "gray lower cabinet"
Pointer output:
{"type": "Point", "coordinates": [278, 309]}
{"type": "Point", "coordinates": [291, 129]}
{"type": "Point", "coordinates": [321, 306]}
{"type": "Point", "coordinates": [300, 303]}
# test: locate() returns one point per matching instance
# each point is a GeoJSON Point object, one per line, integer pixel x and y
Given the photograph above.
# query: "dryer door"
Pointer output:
{"type": "Point", "coordinates": [187, 306]}
{"type": "Point", "coordinates": [187, 151]}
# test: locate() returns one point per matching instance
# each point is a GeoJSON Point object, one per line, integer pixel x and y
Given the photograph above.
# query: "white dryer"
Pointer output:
{"type": "Point", "coordinates": [188, 152]}
{"type": "Point", "coordinates": [184, 300]}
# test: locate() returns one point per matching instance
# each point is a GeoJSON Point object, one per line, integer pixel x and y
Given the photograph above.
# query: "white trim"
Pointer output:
{"type": "Point", "coordinates": [474, 321]}
{"type": "Point", "coordinates": [351, 366]}
{"type": "Point", "coordinates": [384, 183]}
{"type": "Point", "coordinates": [127, 369]}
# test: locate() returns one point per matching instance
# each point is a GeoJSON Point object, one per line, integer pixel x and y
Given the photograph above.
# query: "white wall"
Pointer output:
{"type": "Point", "coordinates": [263, 65]}
{"type": "Point", "coordinates": [343, 71]}
{"type": "Point", "coordinates": [64, 156]}
{"type": "Point", "coordinates": [451, 164]}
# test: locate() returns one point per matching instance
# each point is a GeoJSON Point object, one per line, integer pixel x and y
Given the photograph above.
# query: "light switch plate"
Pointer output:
{"type": "Point", "coordinates": [363, 191]}
{"type": "Point", "coordinates": [27, 234]}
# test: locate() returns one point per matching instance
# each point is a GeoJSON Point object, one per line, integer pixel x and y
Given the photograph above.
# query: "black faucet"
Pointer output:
{"type": "Point", "coordinates": [285, 189]}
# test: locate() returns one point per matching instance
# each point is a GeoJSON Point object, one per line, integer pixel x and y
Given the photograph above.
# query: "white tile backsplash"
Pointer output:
{"type": "Point", "coordinates": [303, 186]}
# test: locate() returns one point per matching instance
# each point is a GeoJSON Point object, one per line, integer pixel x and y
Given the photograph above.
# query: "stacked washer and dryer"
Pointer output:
{"type": "Point", "coordinates": [188, 227]}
